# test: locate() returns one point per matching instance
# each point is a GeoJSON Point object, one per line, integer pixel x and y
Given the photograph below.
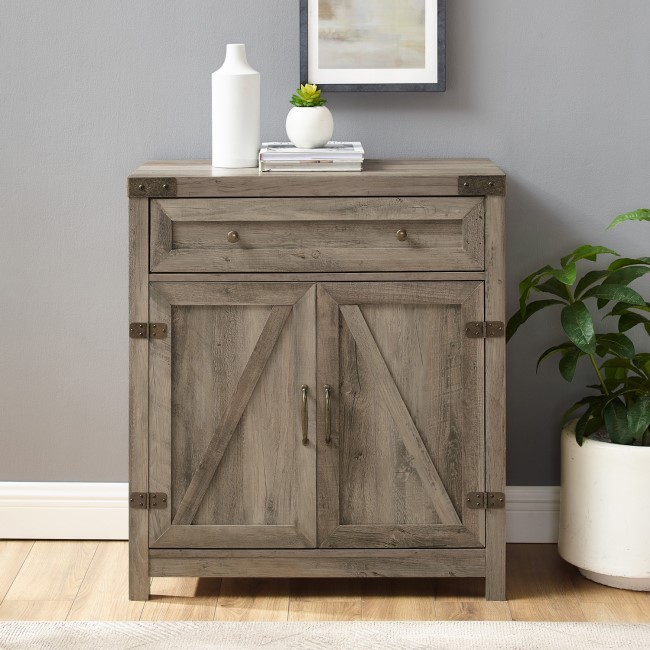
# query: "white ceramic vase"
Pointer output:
{"type": "Point", "coordinates": [604, 522]}
{"type": "Point", "coordinates": [235, 111]}
{"type": "Point", "coordinates": [309, 127]}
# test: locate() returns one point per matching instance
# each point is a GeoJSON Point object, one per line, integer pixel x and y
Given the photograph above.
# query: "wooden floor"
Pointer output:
{"type": "Point", "coordinates": [88, 581]}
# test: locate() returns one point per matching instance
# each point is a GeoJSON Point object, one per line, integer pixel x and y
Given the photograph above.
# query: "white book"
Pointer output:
{"type": "Point", "coordinates": [310, 166]}
{"type": "Point", "coordinates": [333, 150]}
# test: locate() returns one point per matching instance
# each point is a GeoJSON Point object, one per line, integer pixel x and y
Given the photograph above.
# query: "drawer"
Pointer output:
{"type": "Point", "coordinates": [317, 234]}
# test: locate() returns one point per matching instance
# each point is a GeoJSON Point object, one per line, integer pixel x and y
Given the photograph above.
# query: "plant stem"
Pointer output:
{"type": "Point", "coordinates": [600, 377]}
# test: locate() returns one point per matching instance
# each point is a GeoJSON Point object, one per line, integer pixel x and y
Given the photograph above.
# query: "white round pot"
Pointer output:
{"type": "Point", "coordinates": [309, 127]}
{"type": "Point", "coordinates": [604, 521]}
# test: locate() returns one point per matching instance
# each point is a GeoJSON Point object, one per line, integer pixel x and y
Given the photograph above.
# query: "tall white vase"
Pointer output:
{"type": "Point", "coordinates": [235, 111]}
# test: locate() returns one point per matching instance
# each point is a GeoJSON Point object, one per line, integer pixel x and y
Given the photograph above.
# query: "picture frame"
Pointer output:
{"type": "Point", "coordinates": [395, 45]}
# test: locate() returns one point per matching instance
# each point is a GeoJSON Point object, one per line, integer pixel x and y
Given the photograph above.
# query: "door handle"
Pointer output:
{"type": "Point", "coordinates": [305, 415]}
{"type": "Point", "coordinates": [328, 414]}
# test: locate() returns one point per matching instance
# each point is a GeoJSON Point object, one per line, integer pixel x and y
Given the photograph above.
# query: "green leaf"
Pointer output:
{"type": "Point", "coordinates": [527, 284]}
{"type": "Point", "coordinates": [623, 308]}
{"type": "Point", "coordinates": [614, 343]}
{"type": "Point", "coordinates": [626, 275]}
{"type": "Point", "coordinates": [589, 422]}
{"type": "Point", "coordinates": [642, 214]}
{"type": "Point", "coordinates": [566, 275]}
{"type": "Point", "coordinates": [629, 320]}
{"type": "Point", "coordinates": [578, 405]}
{"type": "Point", "coordinates": [568, 363]}
{"type": "Point", "coordinates": [563, 347]}
{"type": "Point", "coordinates": [587, 252]}
{"type": "Point", "coordinates": [579, 327]}
{"type": "Point", "coordinates": [642, 362]}
{"type": "Point", "coordinates": [628, 261]}
{"type": "Point", "coordinates": [587, 280]}
{"type": "Point", "coordinates": [616, 292]}
{"type": "Point", "coordinates": [638, 416]}
{"type": "Point", "coordinates": [553, 286]}
{"type": "Point", "coordinates": [517, 320]}
{"type": "Point", "coordinates": [615, 416]}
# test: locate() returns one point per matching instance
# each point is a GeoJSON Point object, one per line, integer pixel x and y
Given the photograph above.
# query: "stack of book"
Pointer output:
{"type": "Point", "coordinates": [333, 157]}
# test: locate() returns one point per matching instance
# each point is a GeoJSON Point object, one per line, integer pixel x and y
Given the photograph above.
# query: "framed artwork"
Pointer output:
{"type": "Point", "coordinates": [373, 45]}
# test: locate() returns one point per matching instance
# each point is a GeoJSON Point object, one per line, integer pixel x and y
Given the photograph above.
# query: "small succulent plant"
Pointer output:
{"type": "Point", "coordinates": [307, 95]}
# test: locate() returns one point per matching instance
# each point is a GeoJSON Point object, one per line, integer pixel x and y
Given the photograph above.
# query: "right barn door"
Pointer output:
{"type": "Point", "coordinates": [400, 415]}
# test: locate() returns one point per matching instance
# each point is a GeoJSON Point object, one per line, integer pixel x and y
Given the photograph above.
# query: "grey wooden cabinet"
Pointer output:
{"type": "Point", "coordinates": [317, 372]}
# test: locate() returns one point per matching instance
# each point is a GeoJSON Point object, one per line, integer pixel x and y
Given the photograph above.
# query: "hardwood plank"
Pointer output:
{"type": "Point", "coordinates": [52, 571]}
{"type": "Point", "coordinates": [623, 612]}
{"type": "Point", "coordinates": [12, 556]}
{"type": "Point", "coordinates": [410, 435]}
{"type": "Point", "coordinates": [411, 293]}
{"type": "Point", "coordinates": [320, 209]}
{"type": "Point", "coordinates": [379, 178]}
{"type": "Point", "coordinates": [182, 599]}
{"type": "Point", "coordinates": [34, 610]}
{"type": "Point", "coordinates": [539, 585]}
{"type": "Point", "coordinates": [138, 396]}
{"type": "Point", "coordinates": [324, 563]}
{"type": "Point", "coordinates": [231, 293]}
{"type": "Point", "coordinates": [104, 592]}
{"type": "Point", "coordinates": [398, 600]}
{"type": "Point", "coordinates": [253, 600]}
{"type": "Point", "coordinates": [473, 610]}
{"type": "Point", "coordinates": [232, 536]}
{"type": "Point", "coordinates": [373, 535]}
{"type": "Point", "coordinates": [325, 600]}
{"type": "Point", "coordinates": [368, 276]}
{"type": "Point", "coordinates": [495, 395]}
{"type": "Point", "coordinates": [201, 480]}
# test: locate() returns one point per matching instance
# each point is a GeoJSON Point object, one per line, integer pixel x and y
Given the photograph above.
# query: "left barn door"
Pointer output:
{"type": "Point", "coordinates": [232, 433]}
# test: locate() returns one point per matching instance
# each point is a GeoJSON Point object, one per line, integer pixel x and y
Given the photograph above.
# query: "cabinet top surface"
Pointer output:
{"type": "Point", "coordinates": [197, 178]}
{"type": "Point", "coordinates": [406, 167]}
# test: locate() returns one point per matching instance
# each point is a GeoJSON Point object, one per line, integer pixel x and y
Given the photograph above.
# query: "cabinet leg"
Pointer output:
{"type": "Point", "coordinates": [495, 556]}
{"type": "Point", "coordinates": [138, 585]}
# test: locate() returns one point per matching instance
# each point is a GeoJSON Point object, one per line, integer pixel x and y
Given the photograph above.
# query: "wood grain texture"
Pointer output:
{"type": "Point", "coordinates": [495, 395]}
{"type": "Point", "coordinates": [34, 610]}
{"type": "Point", "coordinates": [325, 600]}
{"type": "Point", "coordinates": [233, 412]}
{"type": "Point", "coordinates": [379, 178]}
{"type": "Point", "coordinates": [323, 563]}
{"type": "Point", "coordinates": [398, 600]}
{"type": "Point", "coordinates": [138, 396]}
{"type": "Point", "coordinates": [406, 429]}
{"type": "Point", "coordinates": [534, 571]}
{"type": "Point", "coordinates": [410, 276]}
{"type": "Point", "coordinates": [52, 571]}
{"type": "Point", "coordinates": [104, 592]}
{"type": "Point", "coordinates": [327, 237]}
{"type": "Point", "coordinates": [12, 556]}
{"type": "Point", "coordinates": [185, 599]}
{"type": "Point", "coordinates": [261, 492]}
{"type": "Point", "coordinates": [243, 599]}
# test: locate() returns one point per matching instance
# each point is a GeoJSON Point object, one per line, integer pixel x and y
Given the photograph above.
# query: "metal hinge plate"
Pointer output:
{"type": "Point", "coordinates": [485, 330]}
{"type": "Point", "coordinates": [481, 185]}
{"type": "Point", "coordinates": [152, 187]}
{"type": "Point", "coordinates": [148, 330]}
{"type": "Point", "coordinates": [485, 500]}
{"type": "Point", "coordinates": [148, 500]}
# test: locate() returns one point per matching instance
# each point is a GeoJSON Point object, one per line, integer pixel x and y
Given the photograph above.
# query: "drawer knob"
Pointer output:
{"type": "Point", "coordinates": [401, 235]}
{"type": "Point", "coordinates": [233, 236]}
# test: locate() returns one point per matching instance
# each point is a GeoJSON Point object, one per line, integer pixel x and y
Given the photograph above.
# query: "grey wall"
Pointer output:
{"type": "Point", "coordinates": [556, 92]}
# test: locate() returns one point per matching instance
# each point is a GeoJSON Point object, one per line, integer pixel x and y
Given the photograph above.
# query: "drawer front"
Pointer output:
{"type": "Point", "coordinates": [317, 235]}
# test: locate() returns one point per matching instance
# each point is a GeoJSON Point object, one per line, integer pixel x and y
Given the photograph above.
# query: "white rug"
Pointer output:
{"type": "Point", "coordinates": [322, 636]}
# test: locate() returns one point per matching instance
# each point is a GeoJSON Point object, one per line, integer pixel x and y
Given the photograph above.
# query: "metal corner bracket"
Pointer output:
{"type": "Point", "coordinates": [152, 187]}
{"type": "Point", "coordinates": [481, 185]}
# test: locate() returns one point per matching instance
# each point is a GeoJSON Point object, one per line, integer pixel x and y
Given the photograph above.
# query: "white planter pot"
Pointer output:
{"type": "Point", "coordinates": [309, 127]}
{"type": "Point", "coordinates": [235, 111]}
{"type": "Point", "coordinates": [604, 521]}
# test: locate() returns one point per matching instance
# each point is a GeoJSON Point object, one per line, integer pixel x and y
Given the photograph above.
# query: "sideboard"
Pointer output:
{"type": "Point", "coordinates": [317, 378]}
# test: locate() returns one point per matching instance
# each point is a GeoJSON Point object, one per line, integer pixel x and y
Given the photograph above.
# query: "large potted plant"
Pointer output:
{"type": "Point", "coordinates": [605, 448]}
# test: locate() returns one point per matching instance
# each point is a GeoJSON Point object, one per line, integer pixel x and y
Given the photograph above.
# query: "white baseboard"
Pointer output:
{"type": "Point", "coordinates": [64, 511]}
{"type": "Point", "coordinates": [100, 511]}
